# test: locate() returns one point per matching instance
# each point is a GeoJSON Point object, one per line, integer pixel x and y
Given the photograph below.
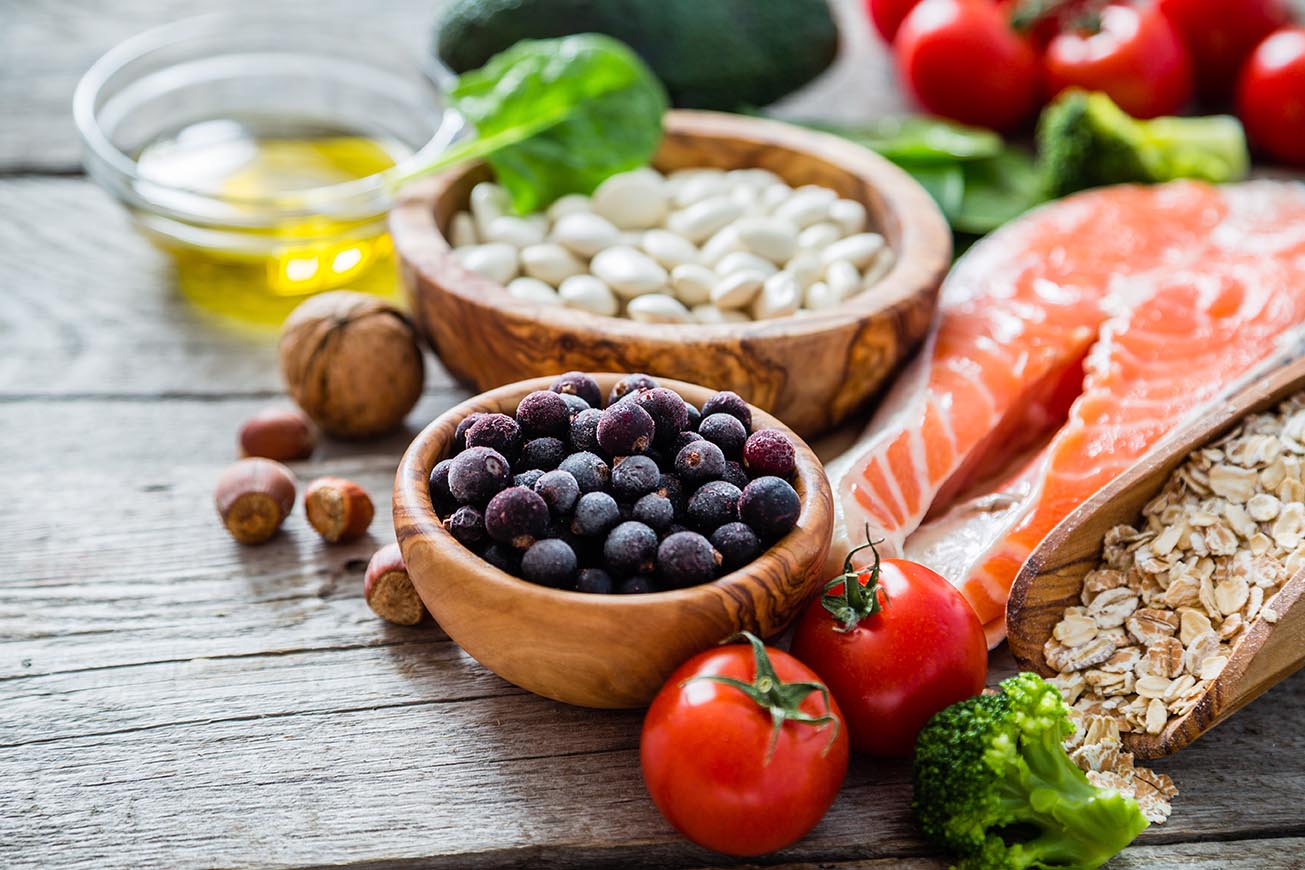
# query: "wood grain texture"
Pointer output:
{"type": "Point", "coordinates": [598, 650]}
{"type": "Point", "coordinates": [812, 372]}
{"type": "Point", "coordinates": [1052, 578]}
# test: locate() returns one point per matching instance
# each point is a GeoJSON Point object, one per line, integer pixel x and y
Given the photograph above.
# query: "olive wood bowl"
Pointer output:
{"type": "Point", "coordinates": [587, 649]}
{"type": "Point", "coordinates": [1052, 577]}
{"type": "Point", "coordinates": [812, 371]}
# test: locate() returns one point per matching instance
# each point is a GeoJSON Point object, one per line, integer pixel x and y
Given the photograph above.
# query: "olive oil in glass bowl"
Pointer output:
{"type": "Point", "coordinates": [255, 152]}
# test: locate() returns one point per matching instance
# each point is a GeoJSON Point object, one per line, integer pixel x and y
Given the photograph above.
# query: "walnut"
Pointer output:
{"type": "Point", "coordinates": [352, 362]}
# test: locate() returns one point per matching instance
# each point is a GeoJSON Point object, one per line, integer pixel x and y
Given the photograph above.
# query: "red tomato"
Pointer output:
{"type": "Point", "coordinates": [717, 767]}
{"type": "Point", "coordinates": [1220, 35]}
{"type": "Point", "coordinates": [915, 647]}
{"type": "Point", "coordinates": [887, 15]}
{"type": "Point", "coordinates": [1135, 56]}
{"type": "Point", "coordinates": [961, 59]}
{"type": "Point", "coordinates": [1271, 96]}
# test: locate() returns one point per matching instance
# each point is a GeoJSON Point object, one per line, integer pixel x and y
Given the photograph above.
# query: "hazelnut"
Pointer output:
{"type": "Point", "coordinates": [389, 590]}
{"type": "Point", "coordinates": [339, 509]}
{"type": "Point", "coordinates": [253, 497]}
{"type": "Point", "coordinates": [352, 362]}
{"type": "Point", "coordinates": [283, 434]}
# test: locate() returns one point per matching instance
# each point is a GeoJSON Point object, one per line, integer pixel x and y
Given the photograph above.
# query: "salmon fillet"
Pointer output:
{"type": "Point", "coordinates": [1151, 300]}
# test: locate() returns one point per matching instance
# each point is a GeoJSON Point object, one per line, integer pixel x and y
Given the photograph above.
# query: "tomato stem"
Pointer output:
{"type": "Point", "coordinates": [782, 700]}
{"type": "Point", "coordinates": [857, 600]}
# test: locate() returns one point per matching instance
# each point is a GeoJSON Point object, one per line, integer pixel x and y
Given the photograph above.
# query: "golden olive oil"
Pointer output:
{"type": "Point", "coordinates": [252, 221]}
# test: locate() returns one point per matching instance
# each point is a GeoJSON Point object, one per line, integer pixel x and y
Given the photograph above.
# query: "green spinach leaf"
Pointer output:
{"type": "Point", "coordinates": [557, 116]}
{"type": "Point", "coordinates": [920, 140]}
{"type": "Point", "coordinates": [997, 190]}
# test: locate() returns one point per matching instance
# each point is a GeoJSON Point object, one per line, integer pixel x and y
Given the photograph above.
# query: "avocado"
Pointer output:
{"type": "Point", "coordinates": [710, 54]}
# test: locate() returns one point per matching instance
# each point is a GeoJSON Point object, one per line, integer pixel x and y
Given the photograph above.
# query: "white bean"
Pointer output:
{"type": "Point", "coordinates": [497, 261]}
{"type": "Point", "coordinates": [692, 283]}
{"type": "Point", "coordinates": [849, 215]}
{"type": "Point", "coordinates": [488, 201]}
{"type": "Point", "coordinates": [668, 249]}
{"type": "Point", "coordinates": [628, 271]}
{"type": "Point", "coordinates": [698, 185]}
{"type": "Point", "coordinates": [657, 308]}
{"type": "Point", "coordinates": [774, 196]}
{"type": "Point", "coordinates": [780, 296]}
{"type": "Point", "coordinates": [755, 178]}
{"type": "Point", "coordinates": [818, 297]}
{"type": "Point", "coordinates": [633, 200]}
{"type": "Point", "coordinates": [584, 233]}
{"type": "Point", "coordinates": [859, 249]}
{"type": "Point", "coordinates": [589, 294]}
{"type": "Point", "coordinates": [533, 290]}
{"type": "Point", "coordinates": [842, 278]}
{"type": "Point", "coordinates": [804, 268]}
{"type": "Point", "coordinates": [739, 261]}
{"type": "Point", "coordinates": [550, 262]}
{"type": "Point", "coordinates": [881, 266]}
{"type": "Point", "coordinates": [769, 237]}
{"type": "Point", "coordinates": [736, 290]}
{"type": "Point", "coordinates": [807, 205]}
{"type": "Point", "coordinates": [572, 203]}
{"type": "Point", "coordinates": [462, 230]}
{"type": "Point", "coordinates": [703, 218]}
{"type": "Point", "coordinates": [819, 236]}
{"type": "Point", "coordinates": [515, 231]}
{"type": "Point", "coordinates": [724, 242]}
{"type": "Point", "coordinates": [712, 314]}
{"type": "Point", "coordinates": [747, 198]}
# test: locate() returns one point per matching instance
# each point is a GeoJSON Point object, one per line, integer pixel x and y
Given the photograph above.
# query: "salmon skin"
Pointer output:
{"type": "Point", "coordinates": [1066, 344]}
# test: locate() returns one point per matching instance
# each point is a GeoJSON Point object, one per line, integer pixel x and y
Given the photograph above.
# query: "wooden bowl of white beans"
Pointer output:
{"type": "Point", "coordinates": [791, 266]}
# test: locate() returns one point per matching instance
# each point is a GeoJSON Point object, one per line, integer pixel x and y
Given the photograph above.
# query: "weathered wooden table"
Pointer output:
{"type": "Point", "coordinates": [170, 699]}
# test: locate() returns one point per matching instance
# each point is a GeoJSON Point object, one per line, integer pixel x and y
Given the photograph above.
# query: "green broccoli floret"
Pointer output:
{"type": "Point", "coordinates": [1085, 140]}
{"type": "Point", "coordinates": [994, 785]}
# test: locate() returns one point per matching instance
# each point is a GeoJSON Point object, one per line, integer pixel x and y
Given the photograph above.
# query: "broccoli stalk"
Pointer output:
{"type": "Point", "coordinates": [994, 784]}
{"type": "Point", "coordinates": [1085, 140]}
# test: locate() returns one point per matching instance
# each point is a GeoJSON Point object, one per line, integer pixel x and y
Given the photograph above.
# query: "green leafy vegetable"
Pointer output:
{"type": "Point", "coordinates": [557, 116]}
{"type": "Point", "coordinates": [921, 140]}
{"type": "Point", "coordinates": [1085, 140]}
{"type": "Point", "coordinates": [993, 783]}
{"type": "Point", "coordinates": [997, 190]}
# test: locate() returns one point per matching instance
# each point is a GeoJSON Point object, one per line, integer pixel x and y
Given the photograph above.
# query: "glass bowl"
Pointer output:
{"type": "Point", "coordinates": [193, 96]}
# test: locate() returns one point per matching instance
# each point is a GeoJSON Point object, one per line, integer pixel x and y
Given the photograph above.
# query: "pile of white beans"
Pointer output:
{"type": "Point", "coordinates": [697, 245]}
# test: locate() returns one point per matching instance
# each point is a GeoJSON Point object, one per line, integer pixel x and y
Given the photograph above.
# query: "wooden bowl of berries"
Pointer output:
{"type": "Point", "coordinates": [582, 536]}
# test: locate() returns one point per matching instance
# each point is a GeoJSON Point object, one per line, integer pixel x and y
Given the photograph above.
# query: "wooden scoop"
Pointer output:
{"type": "Point", "coordinates": [1052, 578]}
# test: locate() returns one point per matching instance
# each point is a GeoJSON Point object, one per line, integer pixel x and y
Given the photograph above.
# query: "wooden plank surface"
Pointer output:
{"type": "Point", "coordinates": [168, 698]}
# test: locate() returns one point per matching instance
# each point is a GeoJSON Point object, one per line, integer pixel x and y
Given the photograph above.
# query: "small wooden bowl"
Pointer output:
{"type": "Point", "coordinates": [597, 650]}
{"type": "Point", "coordinates": [1052, 578]}
{"type": "Point", "coordinates": [813, 371]}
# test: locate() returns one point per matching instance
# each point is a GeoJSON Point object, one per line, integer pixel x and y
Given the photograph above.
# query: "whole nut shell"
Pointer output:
{"type": "Point", "coordinates": [352, 362]}
{"type": "Point", "coordinates": [388, 589]}
{"type": "Point", "coordinates": [339, 509]}
{"type": "Point", "coordinates": [283, 434]}
{"type": "Point", "coordinates": [253, 497]}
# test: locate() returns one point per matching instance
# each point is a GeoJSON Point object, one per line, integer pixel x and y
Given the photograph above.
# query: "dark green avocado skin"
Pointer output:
{"type": "Point", "coordinates": [710, 54]}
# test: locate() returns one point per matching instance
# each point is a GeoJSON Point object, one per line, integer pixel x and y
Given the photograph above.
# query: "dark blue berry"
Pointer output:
{"type": "Point", "coordinates": [559, 491]}
{"type": "Point", "coordinates": [695, 417]}
{"type": "Point", "coordinates": [699, 462]}
{"type": "Point", "coordinates": [769, 453]}
{"type": "Point", "coordinates": [528, 478]}
{"type": "Point", "coordinates": [543, 413]}
{"type": "Point", "coordinates": [589, 470]}
{"type": "Point", "coordinates": [670, 488]}
{"type": "Point", "coordinates": [467, 525]}
{"type": "Point", "coordinates": [503, 558]}
{"type": "Point", "coordinates": [654, 511]}
{"type": "Point", "coordinates": [517, 517]}
{"type": "Point", "coordinates": [440, 496]}
{"type": "Point", "coordinates": [726, 432]}
{"type": "Point", "coordinates": [460, 433]}
{"type": "Point", "coordinates": [574, 405]}
{"type": "Point", "coordinates": [580, 385]}
{"type": "Point", "coordinates": [477, 473]}
{"type": "Point", "coordinates": [686, 559]}
{"type": "Point", "coordinates": [594, 580]}
{"type": "Point", "coordinates": [630, 384]}
{"type": "Point", "coordinates": [498, 431]}
{"type": "Point", "coordinates": [667, 411]}
{"type": "Point", "coordinates": [630, 548]}
{"type": "Point", "coordinates": [713, 505]}
{"type": "Point", "coordinates": [684, 439]}
{"type": "Point", "coordinates": [595, 513]}
{"type": "Point", "coordinates": [625, 428]}
{"type": "Point", "coordinates": [544, 453]}
{"type": "Point", "coordinates": [735, 474]}
{"type": "Point", "coordinates": [737, 543]}
{"type": "Point", "coordinates": [549, 563]}
{"type": "Point", "coordinates": [637, 585]}
{"type": "Point", "coordinates": [584, 430]}
{"type": "Point", "coordinates": [634, 476]}
{"type": "Point", "coordinates": [728, 402]}
{"type": "Point", "coordinates": [770, 505]}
